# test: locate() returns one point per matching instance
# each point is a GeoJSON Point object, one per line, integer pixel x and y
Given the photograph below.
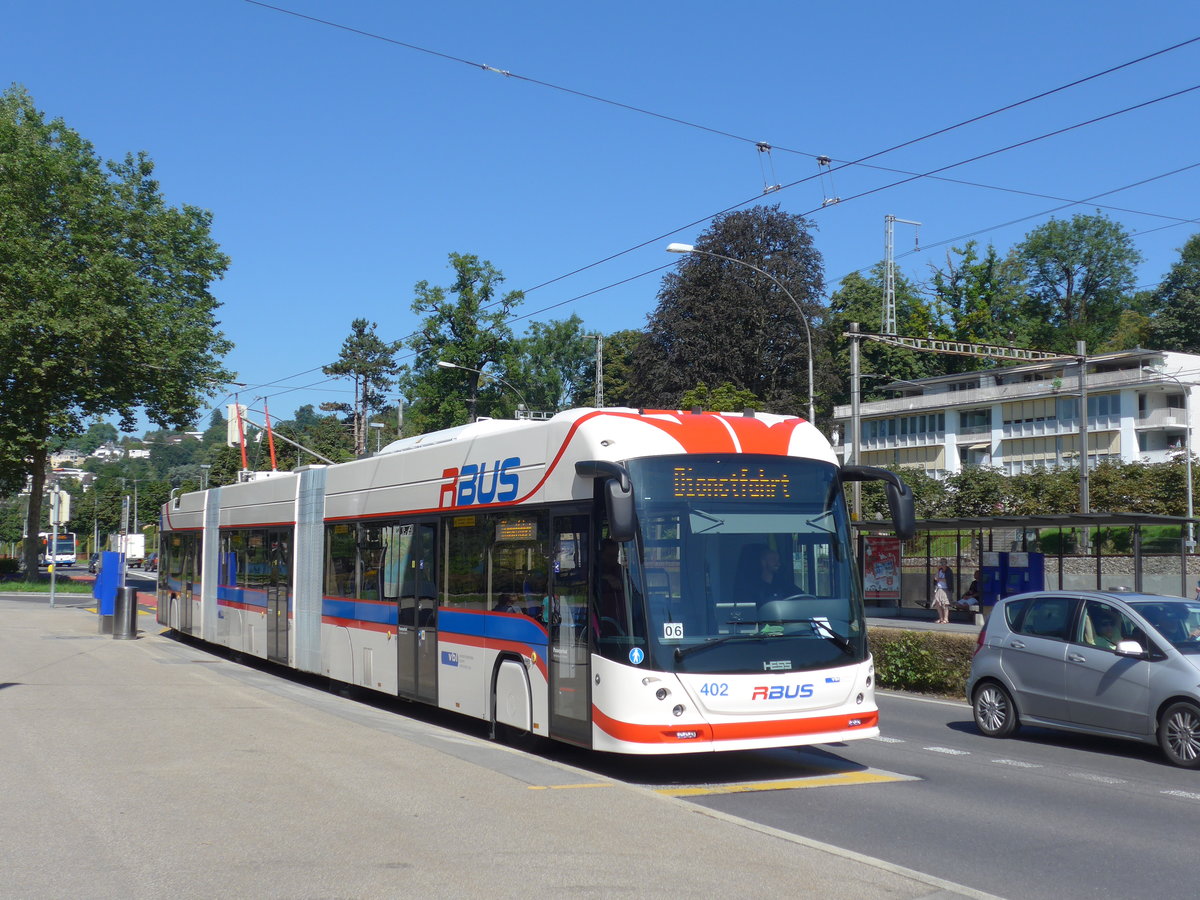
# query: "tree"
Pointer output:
{"type": "Point", "coordinates": [719, 321]}
{"type": "Point", "coordinates": [1176, 303]}
{"type": "Point", "coordinates": [978, 299]}
{"type": "Point", "coordinates": [97, 435]}
{"type": "Point", "coordinates": [618, 350]}
{"type": "Point", "coordinates": [325, 435]}
{"type": "Point", "coordinates": [371, 364]}
{"type": "Point", "coordinates": [468, 329]}
{"type": "Point", "coordinates": [554, 363]}
{"type": "Point", "coordinates": [1078, 277]}
{"type": "Point", "coordinates": [724, 398]}
{"type": "Point", "coordinates": [860, 299]}
{"type": "Point", "coordinates": [104, 296]}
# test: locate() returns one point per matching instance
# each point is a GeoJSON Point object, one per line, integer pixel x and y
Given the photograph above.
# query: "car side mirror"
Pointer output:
{"type": "Point", "coordinates": [1130, 648]}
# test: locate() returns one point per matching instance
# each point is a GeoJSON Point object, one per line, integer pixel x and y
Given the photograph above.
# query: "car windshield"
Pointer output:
{"type": "Point", "coordinates": [1178, 621]}
{"type": "Point", "coordinates": [746, 564]}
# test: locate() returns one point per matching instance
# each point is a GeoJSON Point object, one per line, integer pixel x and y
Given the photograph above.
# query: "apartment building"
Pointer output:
{"type": "Point", "coordinates": [1140, 407]}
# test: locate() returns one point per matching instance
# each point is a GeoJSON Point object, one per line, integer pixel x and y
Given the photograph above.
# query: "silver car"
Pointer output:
{"type": "Point", "coordinates": [1117, 664]}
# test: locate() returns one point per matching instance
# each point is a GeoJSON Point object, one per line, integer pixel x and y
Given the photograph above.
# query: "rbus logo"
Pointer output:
{"type": "Point", "coordinates": [477, 484]}
{"type": "Point", "coordinates": [782, 692]}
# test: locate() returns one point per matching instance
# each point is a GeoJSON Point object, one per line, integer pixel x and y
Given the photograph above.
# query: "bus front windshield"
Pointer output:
{"type": "Point", "coordinates": [746, 564]}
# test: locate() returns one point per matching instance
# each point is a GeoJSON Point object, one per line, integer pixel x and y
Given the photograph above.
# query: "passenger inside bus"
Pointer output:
{"type": "Point", "coordinates": [506, 604]}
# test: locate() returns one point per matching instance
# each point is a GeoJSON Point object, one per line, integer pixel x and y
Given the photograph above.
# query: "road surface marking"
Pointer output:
{"type": "Point", "coordinates": [949, 751]}
{"type": "Point", "coordinates": [787, 785]}
{"type": "Point", "coordinates": [1018, 763]}
{"type": "Point", "coordinates": [1186, 795]}
{"type": "Point", "coordinates": [1100, 779]}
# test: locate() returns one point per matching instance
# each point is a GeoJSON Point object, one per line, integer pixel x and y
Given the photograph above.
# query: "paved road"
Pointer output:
{"type": "Point", "coordinates": [1045, 815]}
{"type": "Point", "coordinates": [153, 768]}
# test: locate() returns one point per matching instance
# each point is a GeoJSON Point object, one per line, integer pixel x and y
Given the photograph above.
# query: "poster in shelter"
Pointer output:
{"type": "Point", "coordinates": [881, 568]}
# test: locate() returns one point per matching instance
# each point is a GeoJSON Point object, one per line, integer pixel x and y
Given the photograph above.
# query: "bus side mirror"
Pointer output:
{"type": "Point", "coordinates": [618, 495]}
{"type": "Point", "coordinates": [899, 496]}
{"type": "Point", "coordinates": [618, 502]}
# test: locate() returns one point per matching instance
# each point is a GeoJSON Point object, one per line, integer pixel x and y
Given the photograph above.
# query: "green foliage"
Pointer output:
{"type": "Point", "coordinates": [978, 299]}
{"type": "Point", "coordinates": [720, 321]}
{"type": "Point", "coordinates": [554, 364]}
{"type": "Point", "coordinates": [370, 363]}
{"type": "Point", "coordinates": [1078, 278]}
{"type": "Point", "coordinates": [9, 565]}
{"type": "Point", "coordinates": [465, 324]}
{"type": "Point", "coordinates": [860, 299]}
{"type": "Point", "coordinates": [725, 398]}
{"type": "Point", "coordinates": [95, 271]}
{"type": "Point", "coordinates": [924, 661]}
{"type": "Point", "coordinates": [978, 491]}
{"type": "Point", "coordinates": [1176, 303]}
{"type": "Point", "coordinates": [619, 348]}
{"type": "Point", "coordinates": [929, 495]}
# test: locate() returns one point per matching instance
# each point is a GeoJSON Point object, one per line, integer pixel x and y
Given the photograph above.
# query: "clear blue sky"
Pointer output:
{"type": "Point", "coordinates": [342, 169]}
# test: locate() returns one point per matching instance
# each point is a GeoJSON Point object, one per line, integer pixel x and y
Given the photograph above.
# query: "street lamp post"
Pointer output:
{"type": "Point", "coordinates": [378, 426]}
{"type": "Point", "coordinates": [449, 365]}
{"type": "Point", "coordinates": [688, 248]}
{"type": "Point", "coordinates": [204, 467]}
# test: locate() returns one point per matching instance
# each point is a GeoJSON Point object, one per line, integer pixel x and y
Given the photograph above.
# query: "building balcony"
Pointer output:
{"type": "Point", "coordinates": [1167, 417]}
{"type": "Point", "coordinates": [985, 396]}
{"type": "Point", "coordinates": [897, 441]}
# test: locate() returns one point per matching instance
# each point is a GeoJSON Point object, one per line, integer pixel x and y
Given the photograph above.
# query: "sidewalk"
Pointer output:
{"type": "Point", "coordinates": [149, 768]}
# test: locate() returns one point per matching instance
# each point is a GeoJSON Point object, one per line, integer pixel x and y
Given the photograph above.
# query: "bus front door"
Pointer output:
{"type": "Point", "coordinates": [416, 627]}
{"type": "Point", "coordinates": [569, 627]}
{"type": "Point", "coordinates": [278, 577]}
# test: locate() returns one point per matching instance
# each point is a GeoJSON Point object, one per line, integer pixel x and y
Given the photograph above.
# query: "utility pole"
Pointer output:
{"type": "Point", "coordinates": [1085, 503]}
{"type": "Point", "coordinates": [599, 370]}
{"type": "Point", "coordinates": [889, 271]}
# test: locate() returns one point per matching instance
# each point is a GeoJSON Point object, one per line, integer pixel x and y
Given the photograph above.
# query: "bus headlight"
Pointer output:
{"type": "Point", "coordinates": [859, 699]}
{"type": "Point", "coordinates": [678, 710]}
{"type": "Point", "coordinates": [662, 693]}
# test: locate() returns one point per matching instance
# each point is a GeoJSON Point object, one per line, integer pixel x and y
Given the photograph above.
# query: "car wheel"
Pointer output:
{"type": "Point", "coordinates": [995, 712]}
{"type": "Point", "coordinates": [1179, 734]}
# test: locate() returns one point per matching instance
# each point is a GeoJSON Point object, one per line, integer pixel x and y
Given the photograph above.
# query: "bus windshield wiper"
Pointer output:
{"type": "Point", "coordinates": [820, 626]}
{"type": "Point", "coordinates": [681, 652]}
{"type": "Point", "coordinates": [823, 628]}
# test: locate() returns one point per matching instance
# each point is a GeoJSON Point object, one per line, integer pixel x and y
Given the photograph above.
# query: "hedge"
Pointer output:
{"type": "Point", "coordinates": [926, 662]}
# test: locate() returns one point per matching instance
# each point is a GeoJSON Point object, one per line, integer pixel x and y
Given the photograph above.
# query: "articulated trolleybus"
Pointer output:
{"type": "Point", "coordinates": [623, 580]}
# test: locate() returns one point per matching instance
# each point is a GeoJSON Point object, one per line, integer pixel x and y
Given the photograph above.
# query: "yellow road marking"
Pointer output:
{"type": "Point", "coordinates": [794, 784]}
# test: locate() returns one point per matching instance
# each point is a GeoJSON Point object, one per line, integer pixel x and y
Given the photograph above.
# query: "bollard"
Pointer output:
{"type": "Point", "coordinates": [125, 616]}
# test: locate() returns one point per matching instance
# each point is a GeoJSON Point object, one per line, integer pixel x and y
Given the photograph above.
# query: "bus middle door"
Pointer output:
{"type": "Point", "coordinates": [416, 627]}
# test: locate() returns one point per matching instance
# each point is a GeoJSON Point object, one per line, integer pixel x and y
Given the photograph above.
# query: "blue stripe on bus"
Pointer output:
{"type": "Point", "coordinates": [341, 608]}
{"type": "Point", "coordinates": [501, 626]}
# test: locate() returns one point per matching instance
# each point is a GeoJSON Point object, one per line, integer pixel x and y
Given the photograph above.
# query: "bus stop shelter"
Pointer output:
{"type": "Point", "coordinates": [1141, 563]}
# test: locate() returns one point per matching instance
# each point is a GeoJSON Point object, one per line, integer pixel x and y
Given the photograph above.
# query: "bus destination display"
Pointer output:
{"type": "Point", "coordinates": [740, 483]}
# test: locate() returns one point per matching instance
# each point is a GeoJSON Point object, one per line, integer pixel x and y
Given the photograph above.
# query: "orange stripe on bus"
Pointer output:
{"type": "Point", "coordinates": [730, 731]}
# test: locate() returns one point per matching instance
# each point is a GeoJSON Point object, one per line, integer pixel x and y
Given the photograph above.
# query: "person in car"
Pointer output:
{"type": "Point", "coordinates": [1108, 631]}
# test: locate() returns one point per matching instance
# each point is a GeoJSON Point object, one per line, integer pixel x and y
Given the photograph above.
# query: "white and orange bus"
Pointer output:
{"type": "Point", "coordinates": [624, 580]}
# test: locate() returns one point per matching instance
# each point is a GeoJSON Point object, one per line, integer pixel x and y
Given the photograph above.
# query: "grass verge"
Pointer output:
{"type": "Point", "coordinates": [42, 586]}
